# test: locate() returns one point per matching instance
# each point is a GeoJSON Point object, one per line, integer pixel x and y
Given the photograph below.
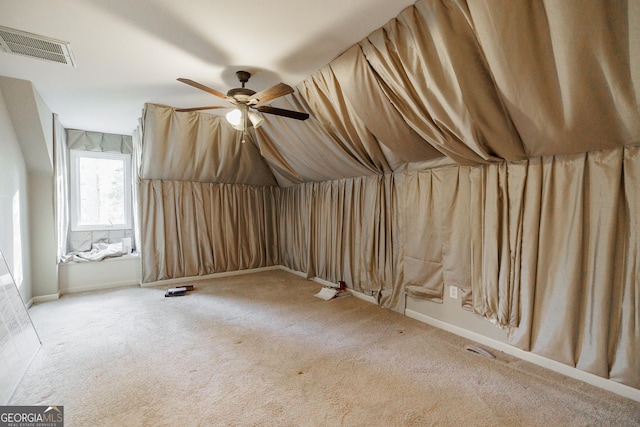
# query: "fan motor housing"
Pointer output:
{"type": "Point", "coordinates": [240, 93]}
{"type": "Point", "coordinates": [243, 76]}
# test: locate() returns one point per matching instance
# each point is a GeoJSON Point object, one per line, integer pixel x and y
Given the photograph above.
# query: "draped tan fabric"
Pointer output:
{"type": "Point", "coordinates": [580, 303]}
{"type": "Point", "coordinates": [346, 97]}
{"type": "Point", "coordinates": [455, 195]}
{"type": "Point", "coordinates": [477, 81]}
{"type": "Point", "coordinates": [294, 231]}
{"type": "Point", "coordinates": [497, 211]}
{"type": "Point", "coordinates": [545, 244]}
{"type": "Point", "coordinates": [207, 204]}
{"type": "Point", "coordinates": [624, 340]}
{"type": "Point", "coordinates": [436, 76]}
{"type": "Point", "coordinates": [352, 229]}
{"type": "Point", "coordinates": [435, 233]}
{"type": "Point", "coordinates": [386, 235]}
{"type": "Point", "coordinates": [484, 81]}
{"type": "Point", "coordinates": [303, 151]}
{"type": "Point", "coordinates": [198, 148]}
{"type": "Point", "coordinates": [194, 229]}
{"type": "Point", "coordinates": [421, 249]}
{"type": "Point", "coordinates": [562, 69]}
{"type": "Point", "coordinates": [324, 94]}
{"type": "Point", "coordinates": [341, 230]}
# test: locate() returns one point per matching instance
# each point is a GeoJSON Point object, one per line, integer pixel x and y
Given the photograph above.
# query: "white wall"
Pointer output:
{"type": "Point", "coordinates": [14, 212]}
{"type": "Point", "coordinates": [42, 210]}
{"type": "Point", "coordinates": [26, 133]}
{"type": "Point", "coordinates": [26, 138]}
{"type": "Point", "coordinates": [108, 273]}
{"type": "Point", "coordinates": [43, 244]}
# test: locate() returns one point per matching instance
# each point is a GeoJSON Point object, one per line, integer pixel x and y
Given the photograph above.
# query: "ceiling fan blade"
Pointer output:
{"type": "Point", "coordinates": [210, 107]}
{"type": "Point", "coordinates": [282, 112]}
{"type": "Point", "coordinates": [270, 94]}
{"type": "Point", "coordinates": [206, 89]}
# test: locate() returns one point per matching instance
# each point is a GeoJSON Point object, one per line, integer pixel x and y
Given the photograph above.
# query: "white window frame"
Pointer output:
{"type": "Point", "coordinates": [75, 156]}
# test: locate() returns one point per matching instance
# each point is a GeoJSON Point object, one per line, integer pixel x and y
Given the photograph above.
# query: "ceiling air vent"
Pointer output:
{"type": "Point", "coordinates": [35, 46]}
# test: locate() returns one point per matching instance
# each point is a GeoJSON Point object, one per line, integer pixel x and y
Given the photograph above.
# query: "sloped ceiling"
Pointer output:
{"type": "Point", "coordinates": [35, 136]}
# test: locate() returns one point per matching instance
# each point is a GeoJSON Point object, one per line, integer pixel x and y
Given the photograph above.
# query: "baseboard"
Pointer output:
{"type": "Point", "coordinates": [288, 270]}
{"type": "Point", "coordinates": [99, 287]}
{"type": "Point", "coordinates": [43, 298]}
{"type": "Point", "coordinates": [325, 283]}
{"type": "Point", "coordinates": [178, 280]}
{"type": "Point", "coordinates": [367, 298]}
{"type": "Point", "coordinates": [606, 384]}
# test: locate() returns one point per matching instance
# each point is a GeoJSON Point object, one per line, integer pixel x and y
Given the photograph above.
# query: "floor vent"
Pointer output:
{"type": "Point", "coordinates": [35, 46]}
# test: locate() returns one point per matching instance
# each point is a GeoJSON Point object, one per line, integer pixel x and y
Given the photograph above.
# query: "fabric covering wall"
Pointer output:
{"type": "Point", "coordinates": [192, 221]}
{"type": "Point", "coordinates": [569, 260]}
{"type": "Point", "coordinates": [194, 229]}
{"type": "Point", "coordinates": [341, 230]}
{"type": "Point", "coordinates": [547, 248]}
{"type": "Point", "coordinates": [480, 144]}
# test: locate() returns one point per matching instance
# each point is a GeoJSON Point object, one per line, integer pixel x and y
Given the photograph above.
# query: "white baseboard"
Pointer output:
{"type": "Point", "coordinates": [43, 298]}
{"type": "Point", "coordinates": [170, 282]}
{"type": "Point", "coordinates": [288, 270]}
{"type": "Point", "coordinates": [367, 298]}
{"type": "Point", "coordinates": [606, 384]}
{"type": "Point", "coordinates": [100, 287]}
{"type": "Point", "coordinates": [74, 277]}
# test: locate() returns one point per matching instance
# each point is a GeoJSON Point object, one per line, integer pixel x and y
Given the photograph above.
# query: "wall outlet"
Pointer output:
{"type": "Point", "coordinates": [453, 292]}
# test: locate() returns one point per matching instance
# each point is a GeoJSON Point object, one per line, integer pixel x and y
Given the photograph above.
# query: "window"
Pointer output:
{"type": "Point", "coordinates": [100, 190]}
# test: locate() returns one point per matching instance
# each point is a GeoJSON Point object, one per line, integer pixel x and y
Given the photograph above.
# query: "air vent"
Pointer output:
{"type": "Point", "coordinates": [35, 46]}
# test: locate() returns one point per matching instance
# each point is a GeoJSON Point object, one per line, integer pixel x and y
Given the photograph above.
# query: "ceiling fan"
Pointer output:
{"type": "Point", "coordinates": [244, 100]}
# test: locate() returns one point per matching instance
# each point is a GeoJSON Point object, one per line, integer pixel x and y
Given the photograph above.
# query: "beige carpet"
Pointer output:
{"type": "Point", "coordinates": [260, 350]}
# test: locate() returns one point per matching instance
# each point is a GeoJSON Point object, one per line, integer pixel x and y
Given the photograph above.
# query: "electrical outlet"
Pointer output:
{"type": "Point", "coordinates": [453, 292]}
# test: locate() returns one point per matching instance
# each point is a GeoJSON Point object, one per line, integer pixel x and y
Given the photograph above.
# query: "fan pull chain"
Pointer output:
{"type": "Point", "coordinates": [244, 122]}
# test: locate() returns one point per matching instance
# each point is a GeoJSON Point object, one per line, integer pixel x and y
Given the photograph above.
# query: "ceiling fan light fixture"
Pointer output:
{"type": "Point", "coordinates": [256, 119]}
{"type": "Point", "coordinates": [234, 117]}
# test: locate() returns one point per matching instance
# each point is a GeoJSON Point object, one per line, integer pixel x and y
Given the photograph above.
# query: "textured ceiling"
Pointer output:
{"type": "Point", "coordinates": [131, 52]}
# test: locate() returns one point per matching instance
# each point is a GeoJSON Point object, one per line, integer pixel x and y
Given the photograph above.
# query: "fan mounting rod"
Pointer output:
{"type": "Point", "coordinates": [243, 76]}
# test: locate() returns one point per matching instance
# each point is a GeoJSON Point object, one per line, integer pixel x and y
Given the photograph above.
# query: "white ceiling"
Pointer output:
{"type": "Point", "coordinates": [129, 52]}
